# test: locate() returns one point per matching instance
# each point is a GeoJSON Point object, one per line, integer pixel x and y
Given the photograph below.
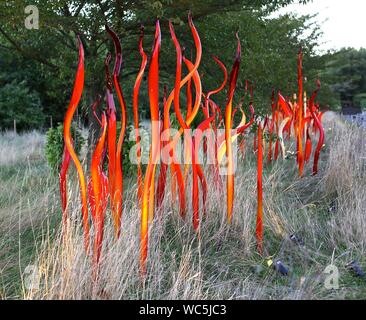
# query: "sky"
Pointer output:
{"type": "Point", "coordinates": [343, 22]}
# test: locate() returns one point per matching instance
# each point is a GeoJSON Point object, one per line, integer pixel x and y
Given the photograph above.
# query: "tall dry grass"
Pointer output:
{"type": "Point", "coordinates": [326, 211]}
{"type": "Point", "coordinates": [19, 148]}
{"type": "Point", "coordinates": [28, 201]}
{"type": "Point", "coordinates": [345, 184]}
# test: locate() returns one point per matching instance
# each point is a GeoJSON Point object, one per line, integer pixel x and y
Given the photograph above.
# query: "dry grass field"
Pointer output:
{"type": "Point", "coordinates": [328, 212]}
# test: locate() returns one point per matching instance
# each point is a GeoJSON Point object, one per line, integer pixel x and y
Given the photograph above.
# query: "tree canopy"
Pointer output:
{"type": "Point", "coordinates": [346, 71]}
{"type": "Point", "coordinates": [44, 60]}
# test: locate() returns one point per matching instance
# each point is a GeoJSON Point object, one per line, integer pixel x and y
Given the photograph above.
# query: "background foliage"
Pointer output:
{"type": "Point", "coordinates": [55, 145]}
{"type": "Point", "coordinates": [37, 67]}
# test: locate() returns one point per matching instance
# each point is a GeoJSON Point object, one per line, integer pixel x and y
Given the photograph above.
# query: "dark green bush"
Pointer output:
{"type": "Point", "coordinates": [18, 102]}
{"type": "Point", "coordinates": [55, 145]}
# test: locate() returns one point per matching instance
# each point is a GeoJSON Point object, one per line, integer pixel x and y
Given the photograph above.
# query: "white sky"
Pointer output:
{"type": "Point", "coordinates": [343, 22]}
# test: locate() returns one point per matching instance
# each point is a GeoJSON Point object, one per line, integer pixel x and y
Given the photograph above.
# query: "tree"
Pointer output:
{"type": "Point", "coordinates": [20, 104]}
{"type": "Point", "coordinates": [346, 73]}
{"type": "Point", "coordinates": [268, 42]}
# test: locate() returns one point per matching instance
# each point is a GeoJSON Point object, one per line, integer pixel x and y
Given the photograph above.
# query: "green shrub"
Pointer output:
{"type": "Point", "coordinates": [129, 169]}
{"type": "Point", "coordinates": [55, 145]}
